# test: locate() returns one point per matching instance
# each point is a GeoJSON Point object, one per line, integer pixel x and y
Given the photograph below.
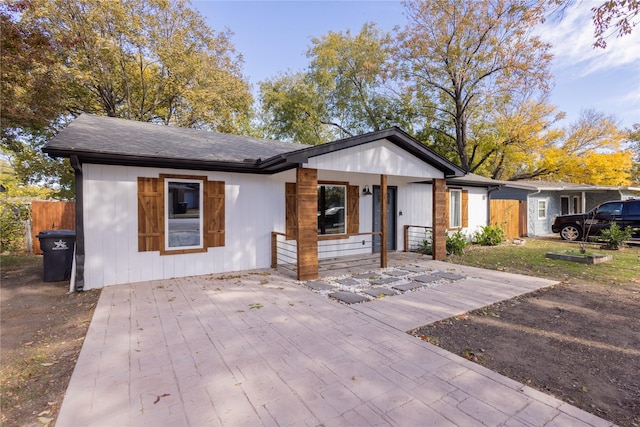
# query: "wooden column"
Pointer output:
{"type": "Point", "coordinates": [383, 221]}
{"type": "Point", "coordinates": [439, 220]}
{"type": "Point", "coordinates": [307, 226]}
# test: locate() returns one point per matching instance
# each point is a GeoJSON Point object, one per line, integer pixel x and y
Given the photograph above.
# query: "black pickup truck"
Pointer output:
{"type": "Point", "coordinates": [622, 212]}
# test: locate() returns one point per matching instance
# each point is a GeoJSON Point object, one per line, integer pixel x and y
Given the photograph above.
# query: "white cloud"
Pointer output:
{"type": "Point", "coordinates": [572, 38]}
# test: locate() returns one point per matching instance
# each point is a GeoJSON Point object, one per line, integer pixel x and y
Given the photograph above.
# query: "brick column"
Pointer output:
{"type": "Point", "coordinates": [439, 220]}
{"type": "Point", "coordinates": [307, 226]}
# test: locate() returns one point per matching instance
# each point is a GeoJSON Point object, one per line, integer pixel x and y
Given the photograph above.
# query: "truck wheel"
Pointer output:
{"type": "Point", "coordinates": [571, 232]}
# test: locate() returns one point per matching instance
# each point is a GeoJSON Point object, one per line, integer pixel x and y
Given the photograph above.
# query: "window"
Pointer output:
{"type": "Point", "coordinates": [455, 208]}
{"type": "Point", "coordinates": [610, 209]}
{"type": "Point", "coordinates": [183, 214]}
{"type": "Point", "coordinates": [577, 205]}
{"type": "Point", "coordinates": [332, 209]}
{"type": "Point", "coordinates": [330, 219]}
{"type": "Point", "coordinates": [542, 209]}
{"type": "Point", "coordinates": [180, 214]}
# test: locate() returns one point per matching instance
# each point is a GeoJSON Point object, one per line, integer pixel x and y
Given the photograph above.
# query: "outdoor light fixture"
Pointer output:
{"type": "Point", "coordinates": [366, 191]}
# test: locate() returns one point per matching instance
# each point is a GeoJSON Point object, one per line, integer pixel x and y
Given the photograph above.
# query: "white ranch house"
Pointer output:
{"type": "Point", "coordinates": [157, 202]}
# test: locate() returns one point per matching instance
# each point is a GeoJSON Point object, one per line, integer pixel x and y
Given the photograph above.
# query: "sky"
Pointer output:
{"type": "Point", "coordinates": [274, 36]}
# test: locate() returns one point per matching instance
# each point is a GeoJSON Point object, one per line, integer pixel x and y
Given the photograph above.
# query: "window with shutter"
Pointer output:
{"type": "Point", "coordinates": [457, 208]}
{"type": "Point", "coordinates": [180, 214]}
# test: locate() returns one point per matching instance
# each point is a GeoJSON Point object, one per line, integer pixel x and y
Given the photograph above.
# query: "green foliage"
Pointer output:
{"type": "Point", "coordinates": [344, 92]}
{"type": "Point", "coordinates": [13, 217]}
{"type": "Point", "coordinates": [456, 243]}
{"type": "Point", "coordinates": [490, 235]}
{"type": "Point", "coordinates": [614, 237]}
{"type": "Point", "coordinates": [425, 247]}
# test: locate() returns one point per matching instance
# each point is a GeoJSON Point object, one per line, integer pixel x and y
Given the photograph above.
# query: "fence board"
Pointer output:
{"type": "Point", "coordinates": [506, 213]}
{"type": "Point", "coordinates": [51, 216]}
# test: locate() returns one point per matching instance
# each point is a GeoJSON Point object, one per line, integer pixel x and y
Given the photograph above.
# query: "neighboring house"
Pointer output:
{"type": "Point", "coordinates": [546, 200]}
{"type": "Point", "coordinates": [156, 202]}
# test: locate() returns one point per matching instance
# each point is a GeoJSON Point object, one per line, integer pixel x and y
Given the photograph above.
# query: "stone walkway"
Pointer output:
{"type": "Point", "coordinates": [259, 349]}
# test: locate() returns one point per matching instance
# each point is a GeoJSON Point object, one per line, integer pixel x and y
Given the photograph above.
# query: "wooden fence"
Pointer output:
{"type": "Point", "coordinates": [511, 215]}
{"type": "Point", "coordinates": [51, 216]}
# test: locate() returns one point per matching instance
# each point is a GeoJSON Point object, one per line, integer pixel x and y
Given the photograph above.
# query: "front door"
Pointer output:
{"type": "Point", "coordinates": [391, 217]}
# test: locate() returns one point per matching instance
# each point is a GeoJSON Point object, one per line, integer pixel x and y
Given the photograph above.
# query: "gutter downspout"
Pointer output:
{"type": "Point", "coordinates": [79, 249]}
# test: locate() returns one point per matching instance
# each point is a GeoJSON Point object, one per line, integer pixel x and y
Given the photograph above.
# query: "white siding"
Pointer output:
{"type": "Point", "coordinates": [378, 157]}
{"type": "Point", "coordinates": [478, 210]}
{"type": "Point", "coordinates": [254, 207]}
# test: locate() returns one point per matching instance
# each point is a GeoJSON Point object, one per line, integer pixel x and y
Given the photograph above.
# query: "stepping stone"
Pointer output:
{"type": "Point", "coordinates": [384, 281]}
{"type": "Point", "coordinates": [318, 285]}
{"type": "Point", "coordinates": [396, 273]}
{"type": "Point", "coordinates": [408, 286]}
{"type": "Point", "coordinates": [348, 297]}
{"type": "Point", "coordinates": [426, 278]}
{"type": "Point", "coordinates": [366, 276]}
{"type": "Point", "coordinates": [448, 275]}
{"type": "Point", "coordinates": [378, 292]}
{"type": "Point", "coordinates": [416, 269]}
{"type": "Point", "coordinates": [348, 282]}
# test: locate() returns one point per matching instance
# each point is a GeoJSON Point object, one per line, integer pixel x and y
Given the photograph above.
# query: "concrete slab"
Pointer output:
{"type": "Point", "coordinates": [319, 285]}
{"type": "Point", "coordinates": [379, 291]}
{"type": "Point", "coordinates": [427, 278]}
{"type": "Point", "coordinates": [404, 287]}
{"type": "Point", "coordinates": [209, 351]}
{"type": "Point", "coordinates": [348, 297]}
{"type": "Point", "coordinates": [348, 282]}
{"type": "Point", "coordinates": [384, 281]}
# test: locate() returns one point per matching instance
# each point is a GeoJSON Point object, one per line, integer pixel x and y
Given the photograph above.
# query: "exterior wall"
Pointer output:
{"type": "Point", "coordinates": [596, 198]}
{"type": "Point", "coordinates": [478, 210]}
{"type": "Point", "coordinates": [506, 193]}
{"type": "Point", "coordinates": [254, 207]}
{"type": "Point", "coordinates": [377, 157]}
{"type": "Point", "coordinates": [540, 227]}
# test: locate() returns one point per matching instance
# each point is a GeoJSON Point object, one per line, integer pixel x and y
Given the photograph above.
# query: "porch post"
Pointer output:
{"type": "Point", "coordinates": [439, 219]}
{"type": "Point", "coordinates": [383, 221]}
{"type": "Point", "coordinates": [307, 226]}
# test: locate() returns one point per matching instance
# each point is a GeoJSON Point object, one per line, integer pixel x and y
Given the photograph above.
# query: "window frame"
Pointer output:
{"type": "Point", "coordinates": [544, 209]}
{"type": "Point", "coordinates": [455, 221]}
{"type": "Point", "coordinates": [345, 186]}
{"type": "Point", "coordinates": [167, 181]}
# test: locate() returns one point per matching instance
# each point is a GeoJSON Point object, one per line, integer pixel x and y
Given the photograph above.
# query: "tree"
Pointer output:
{"type": "Point", "coordinates": [633, 143]}
{"type": "Point", "coordinates": [147, 60]}
{"type": "Point", "coordinates": [344, 92]}
{"type": "Point", "coordinates": [461, 55]}
{"type": "Point", "coordinates": [590, 152]}
{"type": "Point", "coordinates": [33, 92]}
{"type": "Point", "coordinates": [621, 14]}
{"type": "Point", "coordinates": [517, 133]}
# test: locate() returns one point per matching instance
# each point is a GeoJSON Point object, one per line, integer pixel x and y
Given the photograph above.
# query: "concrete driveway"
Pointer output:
{"type": "Point", "coordinates": [259, 349]}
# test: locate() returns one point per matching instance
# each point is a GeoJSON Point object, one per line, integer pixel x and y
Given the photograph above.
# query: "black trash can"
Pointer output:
{"type": "Point", "coordinates": [57, 248]}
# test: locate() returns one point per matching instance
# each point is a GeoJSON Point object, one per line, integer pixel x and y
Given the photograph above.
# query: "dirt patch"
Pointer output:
{"type": "Point", "coordinates": [579, 342]}
{"type": "Point", "coordinates": [43, 327]}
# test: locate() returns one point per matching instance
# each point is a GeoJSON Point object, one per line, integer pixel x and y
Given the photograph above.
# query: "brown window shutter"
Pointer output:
{"type": "Point", "coordinates": [353, 209]}
{"type": "Point", "coordinates": [465, 208]}
{"type": "Point", "coordinates": [447, 209]}
{"type": "Point", "coordinates": [214, 224]}
{"type": "Point", "coordinates": [291, 213]}
{"type": "Point", "coordinates": [150, 214]}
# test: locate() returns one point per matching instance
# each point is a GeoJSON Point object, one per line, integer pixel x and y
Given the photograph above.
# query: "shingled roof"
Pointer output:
{"type": "Point", "coordinates": [108, 140]}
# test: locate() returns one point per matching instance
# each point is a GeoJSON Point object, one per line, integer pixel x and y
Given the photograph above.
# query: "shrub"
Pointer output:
{"type": "Point", "coordinates": [456, 243]}
{"type": "Point", "coordinates": [490, 235]}
{"type": "Point", "coordinates": [13, 216]}
{"type": "Point", "coordinates": [425, 247]}
{"type": "Point", "coordinates": [614, 237]}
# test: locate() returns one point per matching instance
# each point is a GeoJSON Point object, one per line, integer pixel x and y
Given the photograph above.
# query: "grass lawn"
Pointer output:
{"type": "Point", "coordinates": [530, 259]}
